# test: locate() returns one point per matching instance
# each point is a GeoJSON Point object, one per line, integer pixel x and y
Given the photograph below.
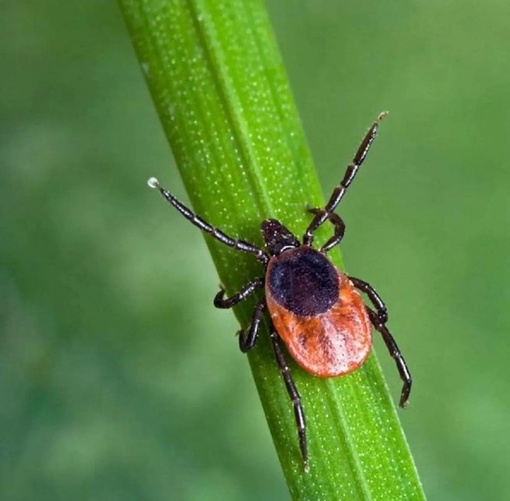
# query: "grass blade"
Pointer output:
{"type": "Point", "coordinates": [222, 95]}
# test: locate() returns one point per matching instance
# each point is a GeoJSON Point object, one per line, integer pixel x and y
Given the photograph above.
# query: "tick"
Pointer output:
{"type": "Point", "coordinates": [315, 308]}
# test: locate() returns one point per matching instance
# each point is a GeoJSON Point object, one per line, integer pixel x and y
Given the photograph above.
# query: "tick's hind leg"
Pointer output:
{"type": "Point", "coordinates": [379, 317]}
{"type": "Point", "coordinates": [394, 350]}
{"type": "Point", "coordinates": [294, 396]}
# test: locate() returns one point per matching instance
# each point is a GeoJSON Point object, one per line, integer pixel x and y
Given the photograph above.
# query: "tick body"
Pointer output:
{"type": "Point", "coordinates": [315, 309]}
{"type": "Point", "coordinates": [317, 312]}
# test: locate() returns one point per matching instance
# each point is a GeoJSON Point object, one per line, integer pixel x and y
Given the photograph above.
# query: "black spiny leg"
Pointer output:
{"type": "Point", "coordinates": [392, 346]}
{"type": "Point", "coordinates": [350, 174]}
{"type": "Point", "coordinates": [339, 226]}
{"type": "Point", "coordinates": [220, 301]}
{"type": "Point", "coordinates": [205, 226]}
{"type": "Point", "coordinates": [375, 299]}
{"type": "Point", "coordinates": [295, 397]}
{"type": "Point", "coordinates": [248, 339]}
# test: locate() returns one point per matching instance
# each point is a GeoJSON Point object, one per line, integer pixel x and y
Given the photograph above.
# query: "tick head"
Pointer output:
{"type": "Point", "coordinates": [277, 237]}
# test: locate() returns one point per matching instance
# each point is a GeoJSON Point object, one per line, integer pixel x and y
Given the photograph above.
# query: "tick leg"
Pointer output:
{"type": "Point", "coordinates": [350, 174]}
{"type": "Point", "coordinates": [248, 339]}
{"type": "Point", "coordinates": [220, 301]}
{"type": "Point", "coordinates": [405, 375]}
{"type": "Point", "coordinates": [205, 226]}
{"type": "Point", "coordinates": [339, 225]}
{"type": "Point", "coordinates": [294, 396]}
{"type": "Point", "coordinates": [375, 299]}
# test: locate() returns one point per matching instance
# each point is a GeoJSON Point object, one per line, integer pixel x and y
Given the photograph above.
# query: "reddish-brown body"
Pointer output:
{"type": "Point", "coordinates": [327, 344]}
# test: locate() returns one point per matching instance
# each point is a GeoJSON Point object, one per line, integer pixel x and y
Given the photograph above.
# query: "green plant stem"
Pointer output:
{"type": "Point", "coordinates": [221, 92]}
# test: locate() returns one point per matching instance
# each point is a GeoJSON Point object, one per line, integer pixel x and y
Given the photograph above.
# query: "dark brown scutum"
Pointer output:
{"type": "Point", "coordinates": [303, 281]}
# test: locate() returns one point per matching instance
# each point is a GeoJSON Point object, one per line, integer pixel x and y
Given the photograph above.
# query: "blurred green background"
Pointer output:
{"type": "Point", "coordinates": [118, 379]}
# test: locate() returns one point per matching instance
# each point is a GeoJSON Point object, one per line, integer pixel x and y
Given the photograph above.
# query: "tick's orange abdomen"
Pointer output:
{"type": "Point", "coordinates": [317, 312]}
